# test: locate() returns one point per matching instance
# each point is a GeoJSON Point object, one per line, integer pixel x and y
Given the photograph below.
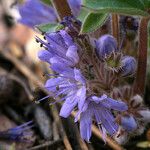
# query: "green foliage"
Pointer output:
{"type": "Point", "coordinates": [83, 13]}
{"type": "Point", "coordinates": [49, 27]}
{"type": "Point", "coordinates": [48, 2]}
{"type": "Point", "coordinates": [93, 21]}
{"type": "Point", "coordinates": [146, 3]}
{"type": "Point", "coordinates": [129, 7]}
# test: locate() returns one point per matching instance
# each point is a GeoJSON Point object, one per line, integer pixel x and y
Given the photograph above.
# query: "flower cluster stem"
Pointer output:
{"type": "Point", "coordinates": [62, 8]}
{"type": "Point", "coordinates": [139, 83]}
{"type": "Point", "coordinates": [115, 26]}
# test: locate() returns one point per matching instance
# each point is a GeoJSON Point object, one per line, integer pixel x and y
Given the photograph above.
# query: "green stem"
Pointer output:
{"type": "Point", "coordinates": [139, 83]}
{"type": "Point", "coordinates": [62, 8]}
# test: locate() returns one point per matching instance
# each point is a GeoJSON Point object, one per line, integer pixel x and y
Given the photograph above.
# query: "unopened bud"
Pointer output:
{"type": "Point", "coordinates": [105, 45]}
{"type": "Point", "coordinates": [128, 65]}
{"type": "Point", "coordinates": [128, 123]}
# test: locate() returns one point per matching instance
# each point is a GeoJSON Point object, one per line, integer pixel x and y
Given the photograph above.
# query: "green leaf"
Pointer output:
{"type": "Point", "coordinates": [49, 27]}
{"type": "Point", "coordinates": [48, 2]}
{"type": "Point", "coordinates": [146, 3]}
{"type": "Point", "coordinates": [129, 7]}
{"type": "Point", "coordinates": [83, 13]}
{"type": "Point", "coordinates": [93, 21]}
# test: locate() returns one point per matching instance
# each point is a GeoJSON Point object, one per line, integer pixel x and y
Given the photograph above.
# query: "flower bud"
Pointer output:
{"type": "Point", "coordinates": [128, 123]}
{"type": "Point", "coordinates": [140, 130]}
{"type": "Point", "coordinates": [145, 115]}
{"type": "Point", "coordinates": [122, 138]}
{"type": "Point", "coordinates": [136, 101]}
{"type": "Point", "coordinates": [128, 65]}
{"type": "Point", "coordinates": [105, 45]}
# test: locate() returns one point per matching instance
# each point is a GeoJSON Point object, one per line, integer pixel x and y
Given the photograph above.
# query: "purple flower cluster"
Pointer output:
{"type": "Point", "coordinates": [82, 77]}
{"type": "Point", "coordinates": [107, 50]}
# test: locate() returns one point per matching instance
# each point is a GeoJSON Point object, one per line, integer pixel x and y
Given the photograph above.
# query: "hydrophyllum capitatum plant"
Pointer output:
{"type": "Point", "coordinates": [85, 73]}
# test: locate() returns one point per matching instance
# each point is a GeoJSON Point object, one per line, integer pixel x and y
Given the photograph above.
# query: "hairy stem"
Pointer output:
{"type": "Point", "coordinates": [139, 83]}
{"type": "Point", "coordinates": [115, 27]}
{"type": "Point", "coordinates": [62, 8]}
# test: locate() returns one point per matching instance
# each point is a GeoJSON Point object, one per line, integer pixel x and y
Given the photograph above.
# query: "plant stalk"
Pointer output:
{"type": "Point", "coordinates": [62, 8]}
{"type": "Point", "coordinates": [115, 27]}
{"type": "Point", "coordinates": [139, 83]}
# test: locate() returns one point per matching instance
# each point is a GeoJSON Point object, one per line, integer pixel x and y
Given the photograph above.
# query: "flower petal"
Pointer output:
{"type": "Point", "coordinates": [98, 99]}
{"type": "Point", "coordinates": [73, 54]}
{"type": "Point", "coordinates": [115, 104]}
{"type": "Point", "coordinates": [67, 38]}
{"type": "Point", "coordinates": [31, 16]}
{"type": "Point", "coordinates": [56, 42]}
{"type": "Point", "coordinates": [81, 94]}
{"type": "Point", "coordinates": [85, 125]}
{"type": "Point", "coordinates": [60, 67]}
{"type": "Point", "coordinates": [108, 121]}
{"type": "Point", "coordinates": [52, 83]}
{"type": "Point", "coordinates": [78, 76]}
{"type": "Point", "coordinates": [68, 107]}
{"type": "Point", "coordinates": [61, 60]}
{"type": "Point", "coordinates": [44, 55]}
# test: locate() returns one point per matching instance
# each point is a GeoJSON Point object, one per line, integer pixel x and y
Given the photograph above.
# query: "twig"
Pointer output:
{"type": "Point", "coordinates": [73, 133]}
{"type": "Point", "coordinates": [27, 72]}
{"type": "Point", "coordinates": [22, 68]}
{"type": "Point", "coordinates": [60, 127]}
{"type": "Point", "coordinates": [110, 142]}
{"type": "Point", "coordinates": [55, 131]}
{"type": "Point", "coordinates": [139, 83]}
{"type": "Point", "coordinates": [62, 8]}
{"type": "Point", "coordinates": [47, 144]}
{"type": "Point", "coordinates": [115, 27]}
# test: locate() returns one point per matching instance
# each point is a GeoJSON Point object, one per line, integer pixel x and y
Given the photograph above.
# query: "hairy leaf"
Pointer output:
{"type": "Point", "coordinates": [83, 13]}
{"type": "Point", "coordinates": [130, 7]}
{"type": "Point", "coordinates": [93, 21]}
{"type": "Point", "coordinates": [48, 2]}
{"type": "Point", "coordinates": [49, 27]}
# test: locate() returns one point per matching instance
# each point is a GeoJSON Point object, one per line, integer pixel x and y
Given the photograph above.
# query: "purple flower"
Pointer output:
{"type": "Point", "coordinates": [60, 49]}
{"type": "Point", "coordinates": [128, 123]}
{"type": "Point", "coordinates": [18, 133]}
{"type": "Point", "coordinates": [99, 108]}
{"type": "Point", "coordinates": [72, 84]}
{"type": "Point", "coordinates": [105, 45]}
{"type": "Point", "coordinates": [34, 12]}
{"type": "Point", "coordinates": [128, 65]}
